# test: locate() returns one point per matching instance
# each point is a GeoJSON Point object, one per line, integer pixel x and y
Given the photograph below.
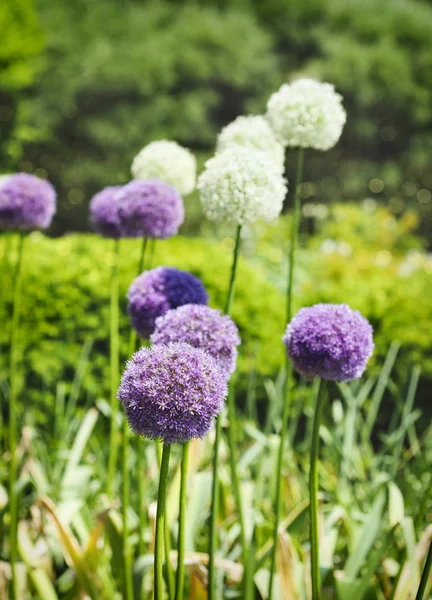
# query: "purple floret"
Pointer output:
{"type": "Point", "coordinates": [155, 292]}
{"type": "Point", "coordinates": [172, 392]}
{"type": "Point", "coordinates": [104, 212]}
{"type": "Point", "coordinates": [201, 327]}
{"type": "Point", "coordinates": [150, 208]}
{"type": "Point", "coordinates": [331, 341]}
{"type": "Point", "coordinates": [26, 202]}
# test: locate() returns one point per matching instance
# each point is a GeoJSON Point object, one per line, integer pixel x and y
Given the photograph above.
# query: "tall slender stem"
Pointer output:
{"type": "Point", "coordinates": [13, 392]}
{"type": "Point", "coordinates": [179, 594]}
{"type": "Point", "coordinates": [313, 492]}
{"type": "Point", "coordinates": [295, 223]}
{"type": "Point", "coordinates": [160, 521]}
{"type": "Point", "coordinates": [230, 294]}
{"type": "Point", "coordinates": [141, 493]}
{"type": "Point", "coordinates": [425, 575]}
{"type": "Point", "coordinates": [125, 503]}
{"type": "Point", "coordinates": [140, 447]}
{"type": "Point", "coordinates": [142, 255]}
{"type": "Point", "coordinates": [114, 369]}
{"type": "Point", "coordinates": [214, 511]}
{"type": "Point", "coordinates": [232, 441]}
{"type": "Point", "coordinates": [169, 571]}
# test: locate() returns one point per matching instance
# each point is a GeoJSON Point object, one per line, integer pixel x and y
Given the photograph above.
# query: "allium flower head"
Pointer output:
{"type": "Point", "coordinates": [172, 392]}
{"type": "Point", "coordinates": [26, 202]}
{"type": "Point", "coordinates": [253, 133]}
{"type": "Point", "coordinates": [242, 186]}
{"type": "Point", "coordinates": [104, 215]}
{"type": "Point", "coordinates": [155, 292]}
{"type": "Point", "coordinates": [201, 327]}
{"type": "Point", "coordinates": [149, 208]}
{"type": "Point", "coordinates": [331, 341]}
{"type": "Point", "coordinates": [307, 114]}
{"type": "Point", "coordinates": [168, 161]}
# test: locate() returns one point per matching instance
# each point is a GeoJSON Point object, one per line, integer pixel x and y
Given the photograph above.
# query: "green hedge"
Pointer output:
{"type": "Point", "coordinates": [66, 302]}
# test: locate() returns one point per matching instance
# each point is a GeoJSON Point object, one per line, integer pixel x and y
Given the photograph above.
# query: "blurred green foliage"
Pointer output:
{"type": "Point", "coordinates": [66, 302]}
{"type": "Point", "coordinates": [359, 255]}
{"type": "Point", "coordinates": [20, 48]}
{"type": "Point", "coordinates": [117, 74]}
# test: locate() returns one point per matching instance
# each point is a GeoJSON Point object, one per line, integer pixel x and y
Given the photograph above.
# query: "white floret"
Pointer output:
{"type": "Point", "coordinates": [169, 162]}
{"type": "Point", "coordinates": [307, 114]}
{"type": "Point", "coordinates": [253, 133]}
{"type": "Point", "coordinates": [242, 186]}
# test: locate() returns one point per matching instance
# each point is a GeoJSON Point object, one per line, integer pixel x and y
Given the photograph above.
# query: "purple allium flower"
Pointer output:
{"type": "Point", "coordinates": [201, 327]}
{"type": "Point", "coordinates": [331, 341]}
{"type": "Point", "coordinates": [155, 292]}
{"type": "Point", "coordinates": [26, 202]}
{"type": "Point", "coordinates": [150, 208]}
{"type": "Point", "coordinates": [104, 212]}
{"type": "Point", "coordinates": [172, 392]}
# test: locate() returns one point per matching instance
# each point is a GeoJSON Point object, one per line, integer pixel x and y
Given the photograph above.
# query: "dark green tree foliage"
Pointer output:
{"type": "Point", "coordinates": [20, 46]}
{"type": "Point", "coordinates": [378, 54]}
{"type": "Point", "coordinates": [118, 75]}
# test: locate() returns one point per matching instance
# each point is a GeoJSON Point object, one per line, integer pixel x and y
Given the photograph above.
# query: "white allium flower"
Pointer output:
{"type": "Point", "coordinates": [167, 161]}
{"type": "Point", "coordinates": [253, 133]}
{"type": "Point", "coordinates": [242, 186]}
{"type": "Point", "coordinates": [307, 114]}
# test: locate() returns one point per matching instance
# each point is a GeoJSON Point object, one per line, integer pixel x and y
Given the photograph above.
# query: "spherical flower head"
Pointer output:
{"type": "Point", "coordinates": [168, 161]}
{"type": "Point", "coordinates": [149, 208]}
{"type": "Point", "coordinates": [241, 186]}
{"type": "Point", "coordinates": [331, 341]}
{"type": "Point", "coordinates": [307, 114]}
{"type": "Point", "coordinates": [201, 327]}
{"type": "Point", "coordinates": [104, 215]}
{"type": "Point", "coordinates": [155, 292]}
{"type": "Point", "coordinates": [252, 133]}
{"type": "Point", "coordinates": [172, 392]}
{"type": "Point", "coordinates": [26, 202]}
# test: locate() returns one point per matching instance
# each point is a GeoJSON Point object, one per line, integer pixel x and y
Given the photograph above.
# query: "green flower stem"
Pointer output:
{"type": "Point", "coordinates": [425, 575]}
{"type": "Point", "coordinates": [288, 368]}
{"type": "Point", "coordinates": [313, 492]}
{"type": "Point", "coordinates": [114, 369]}
{"type": "Point", "coordinates": [214, 511]}
{"type": "Point", "coordinates": [169, 571]}
{"type": "Point", "coordinates": [169, 574]}
{"type": "Point", "coordinates": [141, 493]}
{"type": "Point", "coordinates": [139, 441]}
{"type": "Point", "coordinates": [13, 392]}
{"type": "Point", "coordinates": [179, 593]}
{"type": "Point", "coordinates": [295, 225]}
{"type": "Point", "coordinates": [160, 522]}
{"type": "Point", "coordinates": [127, 551]}
{"type": "Point", "coordinates": [232, 442]}
{"type": "Point", "coordinates": [142, 255]}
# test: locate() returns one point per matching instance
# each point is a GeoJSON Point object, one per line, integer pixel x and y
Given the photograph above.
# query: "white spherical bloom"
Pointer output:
{"type": "Point", "coordinates": [169, 162]}
{"type": "Point", "coordinates": [253, 133]}
{"type": "Point", "coordinates": [242, 186]}
{"type": "Point", "coordinates": [307, 114]}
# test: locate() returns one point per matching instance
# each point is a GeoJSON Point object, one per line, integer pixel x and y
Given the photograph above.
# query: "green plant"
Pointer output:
{"type": "Point", "coordinates": [362, 255]}
{"type": "Point", "coordinates": [65, 305]}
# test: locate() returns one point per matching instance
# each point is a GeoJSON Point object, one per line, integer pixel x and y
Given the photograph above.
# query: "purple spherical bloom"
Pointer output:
{"type": "Point", "coordinates": [155, 292]}
{"type": "Point", "coordinates": [104, 212]}
{"type": "Point", "coordinates": [150, 208]}
{"type": "Point", "coordinates": [172, 392]}
{"type": "Point", "coordinates": [331, 341]}
{"type": "Point", "coordinates": [201, 327]}
{"type": "Point", "coordinates": [26, 202]}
